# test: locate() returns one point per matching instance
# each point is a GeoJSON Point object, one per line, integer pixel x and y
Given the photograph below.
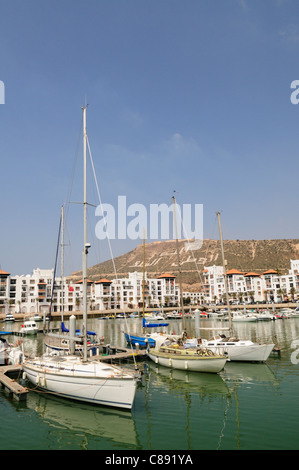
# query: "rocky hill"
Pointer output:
{"type": "Point", "coordinates": [161, 256]}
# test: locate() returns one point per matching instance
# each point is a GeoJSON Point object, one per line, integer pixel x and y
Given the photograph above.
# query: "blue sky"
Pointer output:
{"type": "Point", "coordinates": [185, 95]}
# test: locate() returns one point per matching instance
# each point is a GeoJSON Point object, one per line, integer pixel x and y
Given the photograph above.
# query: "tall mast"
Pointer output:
{"type": "Point", "coordinates": [143, 277]}
{"type": "Point", "coordinates": [85, 247]}
{"type": "Point", "coordinates": [179, 263]}
{"type": "Point", "coordinates": [225, 275]}
{"type": "Point", "coordinates": [62, 261]}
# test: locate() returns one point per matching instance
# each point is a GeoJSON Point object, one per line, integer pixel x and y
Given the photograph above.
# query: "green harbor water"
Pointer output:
{"type": "Point", "coordinates": [245, 407]}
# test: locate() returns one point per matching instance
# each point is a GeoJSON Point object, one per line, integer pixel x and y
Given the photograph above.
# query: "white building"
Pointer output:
{"type": "Point", "coordinates": [33, 293]}
{"type": "Point", "coordinates": [247, 287]}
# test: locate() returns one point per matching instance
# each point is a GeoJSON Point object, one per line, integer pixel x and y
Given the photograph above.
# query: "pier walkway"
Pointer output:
{"type": "Point", "coordinates": [113, 353]}
{"type": "Point", "coordinates": [10, 385]}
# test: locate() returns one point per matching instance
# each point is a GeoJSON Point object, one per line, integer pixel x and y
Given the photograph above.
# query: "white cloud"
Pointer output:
{"type": "Point", "coordinates": [290, 33]}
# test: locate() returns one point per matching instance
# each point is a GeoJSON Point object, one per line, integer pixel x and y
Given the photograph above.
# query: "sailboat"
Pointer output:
{"type": "Point", "coordinates": [244, 317]}
{"type": "Point", "coordinates": [62, 343]}
{"type": "Point", "coordinates": [234, 348]}
{"type": "Point", "coordinates": [176, 353]}
{"type": "Point", "coordinates": [80, 378]}
{"type": "Point", "coordinates": [9, 353]}
{"type": "Point", "coordinates": [145, 339]}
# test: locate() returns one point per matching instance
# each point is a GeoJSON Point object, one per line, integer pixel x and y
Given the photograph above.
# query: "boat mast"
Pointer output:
{"type": "Point", "coordinates": [62, 261]}
{"type": "Point", "coordinates": [143, 277]}
{"type": "Point", "coordinates": [179, 263]}
{"type": "Point", "coordinates": [86, 245]}
{"type": "Point", "coordinates": [225, 275]}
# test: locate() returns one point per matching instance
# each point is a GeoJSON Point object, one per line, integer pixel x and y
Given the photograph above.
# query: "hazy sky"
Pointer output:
{"type": "Point", "coordinates": [185, 95]}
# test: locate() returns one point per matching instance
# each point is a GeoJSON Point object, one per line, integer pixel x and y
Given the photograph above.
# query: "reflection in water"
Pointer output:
{"type": "Point", "coordinates": [115, 425]}
{"type": "Point", "coordinates": [240, 408]}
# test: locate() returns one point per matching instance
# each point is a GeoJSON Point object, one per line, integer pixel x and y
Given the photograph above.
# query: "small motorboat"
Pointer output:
{"type": "Point", "coordinates": [36, 317]}
{"type": "Point", "coordinates": [29, 328]}
{"type": "Point", "coordinates": [9, 317]}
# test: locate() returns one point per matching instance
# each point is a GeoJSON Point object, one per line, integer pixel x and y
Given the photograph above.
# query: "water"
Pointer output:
{"type": "Point", "coordinates": [247, 406]}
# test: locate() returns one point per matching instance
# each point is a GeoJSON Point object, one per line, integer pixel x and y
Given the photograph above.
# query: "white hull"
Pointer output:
{"type": "Point", "coordinates": [29, 328]}
{"type": "Point", "coordinates": [244, 353]}
{"type": "Point", "coordinates": [3, 356]}
{"type": "Point", "coordinates": [32, 331]}
{"type": "Point", "coordinates": [244, 318]}
{"type": "Point", "coordinates": [10, 354]}
{"type": "Point", "coordinates": [92, 382]}
{"type": "Point", "coordinates": [201, 364]}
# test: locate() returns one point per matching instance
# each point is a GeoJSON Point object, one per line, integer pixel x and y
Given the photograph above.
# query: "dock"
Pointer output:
{"type": "Point", "coordinates": [113, 353]}
{"type": "Point", "coordinates": [10, 385]}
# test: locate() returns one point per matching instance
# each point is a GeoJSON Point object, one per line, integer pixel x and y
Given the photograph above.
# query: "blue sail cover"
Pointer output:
{"type": "Point", "coordinates": [65, 330]}
{"type": "Point", "coordinates": [152, 325]}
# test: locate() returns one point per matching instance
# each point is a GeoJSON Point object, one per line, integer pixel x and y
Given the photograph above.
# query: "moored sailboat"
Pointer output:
{"type": "Point", "coordinates": [176, 356]}
{"type": "Point", "coordinates": [175, 353]}
{"type": "Point", "coordinates": [80, 378]}
{"type": "Point", "coordinates": [234, 348]}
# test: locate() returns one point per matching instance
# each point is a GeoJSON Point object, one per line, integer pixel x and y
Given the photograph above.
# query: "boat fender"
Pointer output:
{"type": "Point", "coordinates": [186, 365]}
{"type": "Point", "coordinates": [24, 375]}
{"type": "Point", "coordinates": [37, 379]}
{"type": "Point", "coordinates": [43, 382]}
{"type": "Point", "coordinates": [170, 362]}
{"type": "Point", "coordinates": [157, 360]}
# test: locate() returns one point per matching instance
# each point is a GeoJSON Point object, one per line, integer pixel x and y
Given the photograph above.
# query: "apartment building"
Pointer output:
{"type": "Point", "coordinates": [247, 287]}
{"type": "Point", "coordinates": [36, 293]}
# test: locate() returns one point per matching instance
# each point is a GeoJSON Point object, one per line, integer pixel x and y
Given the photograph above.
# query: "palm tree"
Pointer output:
{"type": "Point", "coordinates": [78, 302]}
{"type": "Point", "coordinates": [279, 292]}
{"type": "Point", "coordinates": [292, 293]}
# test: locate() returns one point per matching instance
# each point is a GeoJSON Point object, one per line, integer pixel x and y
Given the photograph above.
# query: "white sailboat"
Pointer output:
{"type": "Point", "coordinates": [234, 348]}
{"type": "Point", "coordinates": [78, 378]}
{"type": "Point", "coordinates": [244, 316]}
{"type": "Point", "coordinates": [177, 354]}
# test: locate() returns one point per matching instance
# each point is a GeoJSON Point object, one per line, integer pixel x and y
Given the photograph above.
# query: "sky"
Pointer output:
{"type": "Point", "coordinates": [191, 96]}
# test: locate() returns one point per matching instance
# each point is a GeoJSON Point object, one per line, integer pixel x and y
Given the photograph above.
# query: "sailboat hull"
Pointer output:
{"type": "Point", "coordinates": [243, 353]}
{"type": "Point", "coordinates": [200, 364]}
{"type": "Point", "coordinates": [91, 382]}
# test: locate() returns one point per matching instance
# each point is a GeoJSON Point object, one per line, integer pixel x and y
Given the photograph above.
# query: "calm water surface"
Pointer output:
{"type": "Point", "coordinates": [247, 406]}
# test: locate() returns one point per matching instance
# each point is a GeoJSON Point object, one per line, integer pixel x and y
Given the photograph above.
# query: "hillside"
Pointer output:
{"type": "Point", "coordinates": [161, 256]}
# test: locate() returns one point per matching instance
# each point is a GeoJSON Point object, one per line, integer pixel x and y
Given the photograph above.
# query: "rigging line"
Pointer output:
{"type": "Point", "coordinates": [110, 248]}
{"type": "Point", "coordinates": [74, 170]}
{"type": "Point", "coordinates": [194, 259]}
{"type": "Point", "coordinates": [100, 200]}
{"type": "Point", "coordinates": [54, 273]}
{"type": "Point", "coordinates": [211, 239]}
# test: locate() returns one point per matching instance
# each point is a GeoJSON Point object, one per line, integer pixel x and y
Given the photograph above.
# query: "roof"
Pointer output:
{"type": "Point", "coordinates": [233, 271]}
{"type": "Point", "coordinates": [103, 281]}
{"type": "Point", "coordinates": [4, 272]}
{"type": "Point", "coordinates": [270, 271]}
{"type": "Point", "coordinates": [81, 281]}
{"type": "Point", "coordinates": [251, 274]}
{"type": "Point", "coordinates": [165, 275]}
